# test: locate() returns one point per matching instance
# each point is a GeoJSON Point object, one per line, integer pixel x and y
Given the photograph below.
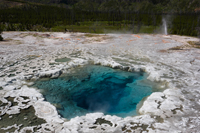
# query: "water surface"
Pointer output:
{"type": "Point", "coordinates": [94, 88]}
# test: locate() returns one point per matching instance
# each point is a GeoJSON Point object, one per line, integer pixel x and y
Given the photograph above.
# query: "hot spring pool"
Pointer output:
{"type": "Point", "coordinates": [95, 88]}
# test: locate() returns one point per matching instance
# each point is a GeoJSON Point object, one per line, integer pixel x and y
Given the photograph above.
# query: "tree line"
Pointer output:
{"type": "Point", "coordinates": [42, 17]}
{"type": "Point", "coordinates": [125, 5]}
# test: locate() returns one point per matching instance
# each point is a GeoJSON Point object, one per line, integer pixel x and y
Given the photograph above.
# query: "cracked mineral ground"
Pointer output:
{"type": "Point", "coordinates": [169, 63]}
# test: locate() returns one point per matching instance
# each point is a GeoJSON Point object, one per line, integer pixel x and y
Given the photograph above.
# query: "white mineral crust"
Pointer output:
{"type": "Point", "coordinates": [176, 109]}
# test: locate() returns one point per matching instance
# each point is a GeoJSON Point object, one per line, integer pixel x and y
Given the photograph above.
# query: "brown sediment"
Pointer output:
{"type": "Point", "coordinates": [164, 41]}
{"type": "Point", "coordinates": [137, 36]}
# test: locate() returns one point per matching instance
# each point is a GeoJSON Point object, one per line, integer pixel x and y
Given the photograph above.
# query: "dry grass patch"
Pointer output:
{"type": "Point", "coordinates": [42, 35]}
{"type": "Point", "coordinates": [96, 38]}
{"type": "Point", "coordinates": [9, 41]}
{"type": "Point", "coordinates": [163, 51]}
{"type": "Point", "coordinates": [93, 35]}
{"type": "Point", "coordinates": [176, 48]}
{"type": "Point", "coordinates": [194, 44]}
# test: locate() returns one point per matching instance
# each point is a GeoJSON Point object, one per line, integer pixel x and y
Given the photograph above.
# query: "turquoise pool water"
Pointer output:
{"type": "Point", "coordinates": [95, 88]}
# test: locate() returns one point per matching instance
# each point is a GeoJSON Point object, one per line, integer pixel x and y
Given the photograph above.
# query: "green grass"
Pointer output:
{"type": "Point", "coordinates": [85, 28]}
{"type": "Point", "coordinates": [147, 29]}
{"type": "Point", "coordinates": [102, 27]}
{"type": "Point", "coordinates": [89, 27]}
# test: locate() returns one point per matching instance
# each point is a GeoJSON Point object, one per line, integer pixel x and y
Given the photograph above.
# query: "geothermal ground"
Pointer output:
{"type": "Point", "coordinates": [172, 65]}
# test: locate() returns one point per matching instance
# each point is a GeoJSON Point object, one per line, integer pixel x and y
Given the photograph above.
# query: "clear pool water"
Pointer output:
{"type": "Point", "coordinates": [94, 88]}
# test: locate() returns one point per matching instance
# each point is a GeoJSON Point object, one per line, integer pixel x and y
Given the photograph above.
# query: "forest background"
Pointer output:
{"type": "Point", "coordinates": [101, 16]}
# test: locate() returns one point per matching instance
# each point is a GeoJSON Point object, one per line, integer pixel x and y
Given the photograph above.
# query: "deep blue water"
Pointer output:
{"type": "Point", "coordinates": [95, 88]}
